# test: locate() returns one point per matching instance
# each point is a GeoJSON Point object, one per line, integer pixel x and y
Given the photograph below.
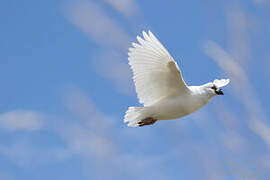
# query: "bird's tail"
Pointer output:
{"type": "Point", "coordinates": [134, 115]}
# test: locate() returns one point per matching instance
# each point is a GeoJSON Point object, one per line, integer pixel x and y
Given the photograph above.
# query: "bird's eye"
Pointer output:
{"type": "Point", "coordinates": [214, 87]}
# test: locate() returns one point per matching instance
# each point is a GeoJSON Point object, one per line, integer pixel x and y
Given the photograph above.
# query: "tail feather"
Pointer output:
{"type": "Point", "coordinates": [134, 115]}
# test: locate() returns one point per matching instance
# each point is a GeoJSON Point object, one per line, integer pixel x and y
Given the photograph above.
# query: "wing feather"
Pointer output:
{"type": "Point", "coordinates": [155, 73]}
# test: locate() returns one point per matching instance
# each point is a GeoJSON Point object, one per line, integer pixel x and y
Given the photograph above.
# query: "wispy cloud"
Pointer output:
{"type": "Point", "coordinates": [21, 120]}
{"type": "Point", "coordinates": [238, 24]}
{"type": "Point", "coordinates": [254, 110]}
{"type": "Point", "coordinates": [93, 136]}
{"type": "Point", "coordinates": [111, 60]}
{"type": "Point", "coordinates": [6, 175]}
{"type": "Point", "coordinates": [261, 2]}
{"type": "Point", "coordinates": [24, 154]}
{"type": "Point", "coordinates": [111, 65]}
{"type": "Point", "coordinates": [98, 26]}
{"type": "Point", "coordinates": [126, 7]}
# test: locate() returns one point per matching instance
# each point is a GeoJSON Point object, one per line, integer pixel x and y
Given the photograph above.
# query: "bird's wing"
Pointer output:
{"type": "Point", "coordinates": [221, 82]}
{"type": "Point", "coordinates": [155, 73]}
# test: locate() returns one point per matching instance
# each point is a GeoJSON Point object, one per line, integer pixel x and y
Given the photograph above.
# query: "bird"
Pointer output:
{"type": "Point", "coordinates": [160, 86]}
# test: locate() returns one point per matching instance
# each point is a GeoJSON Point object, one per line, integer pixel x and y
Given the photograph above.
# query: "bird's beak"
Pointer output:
{"type": "Point", "coordinates": [219, 92]}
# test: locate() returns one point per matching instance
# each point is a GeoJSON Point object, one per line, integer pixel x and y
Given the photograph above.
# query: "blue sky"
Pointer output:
{"type": "Point", "coordinates": [66, 84]}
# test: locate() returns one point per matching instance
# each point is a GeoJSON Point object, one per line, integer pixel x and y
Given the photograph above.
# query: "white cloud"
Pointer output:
{"type": "Point", "coordinates": [238, 24]}
{"type": "Point", "coordinates": [111, 61]}
{"type": "Point", "coordinates": [99, 27]}
{"type": "Point", "coordinates": [94, 137]}
{"type": "Point", "coordinates": [86, 142]}
{"type": "Point", "coordinates": [6, 175]}
{"type": "Point", "coordinates": [126, 7]}
{"type": "Point", "coordinates": [224, 60]}
{"type": "Point", "coordinates": [261, 2]}
{"type": "Point", "coordinates": [24, 154]}
{"type": "Point", "coordinates": [89, 134]}
{"type": "Point", "coordinates": [111, 65]}
{"type": "Point", "coordinates": [233, 141]}
{"type": "Point", "coordinates": [21, 120]}
{"type": "Point", "coordinates": [254, 110]}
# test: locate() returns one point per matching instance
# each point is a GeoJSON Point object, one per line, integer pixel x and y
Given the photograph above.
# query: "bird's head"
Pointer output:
{"type": "Point", "coordinates": [214, 88]}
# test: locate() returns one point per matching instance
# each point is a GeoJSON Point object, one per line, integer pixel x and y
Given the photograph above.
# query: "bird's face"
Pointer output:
{"type": "Point", "coordinates": [217, 90]}
{"type": "Point", "coordinates": [213, 90]}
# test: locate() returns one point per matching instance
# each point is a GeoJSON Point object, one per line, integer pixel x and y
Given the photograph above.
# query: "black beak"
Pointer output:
{"type": "Point", "coordinates": [219, 92]}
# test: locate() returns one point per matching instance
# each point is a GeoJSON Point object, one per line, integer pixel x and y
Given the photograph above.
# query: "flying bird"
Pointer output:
{"type": "Point", "coordinates": [160, 86]}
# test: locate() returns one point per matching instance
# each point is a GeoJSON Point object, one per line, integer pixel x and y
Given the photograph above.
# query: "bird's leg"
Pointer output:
{"type": "Point", "coordinates": [147, 121]}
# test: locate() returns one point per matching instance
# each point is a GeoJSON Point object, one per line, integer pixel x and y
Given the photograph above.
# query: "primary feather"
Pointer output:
{"type": "Point", "coordinates": [155, 72]}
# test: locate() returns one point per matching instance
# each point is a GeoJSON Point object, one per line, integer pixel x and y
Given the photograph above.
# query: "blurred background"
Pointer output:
{"type": "Point", "coordinates": [65, 86]}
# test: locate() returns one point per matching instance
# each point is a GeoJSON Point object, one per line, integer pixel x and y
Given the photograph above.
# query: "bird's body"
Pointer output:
{"type": "Point", "coordinates": [177, 106]}
{"type": "Point", "coordinates": [160, 86]}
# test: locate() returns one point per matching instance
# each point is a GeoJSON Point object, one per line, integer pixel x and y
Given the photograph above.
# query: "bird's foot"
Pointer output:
{"type": "Point", "coordinates": [147, 121]}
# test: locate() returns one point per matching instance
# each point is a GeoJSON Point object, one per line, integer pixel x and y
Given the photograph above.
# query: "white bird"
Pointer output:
{"type": "Point", "coordinates": [160, 86]}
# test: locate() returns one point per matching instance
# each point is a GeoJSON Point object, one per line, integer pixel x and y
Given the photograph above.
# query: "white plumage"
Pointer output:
{"type": "Point", "coordinates": [160, 86]}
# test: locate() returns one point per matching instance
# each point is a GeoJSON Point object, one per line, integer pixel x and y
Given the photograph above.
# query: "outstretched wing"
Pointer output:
{"type": "Point", "coordinates": [155, 73]}
{"type": "Point", "coordinates": [221, 82]}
